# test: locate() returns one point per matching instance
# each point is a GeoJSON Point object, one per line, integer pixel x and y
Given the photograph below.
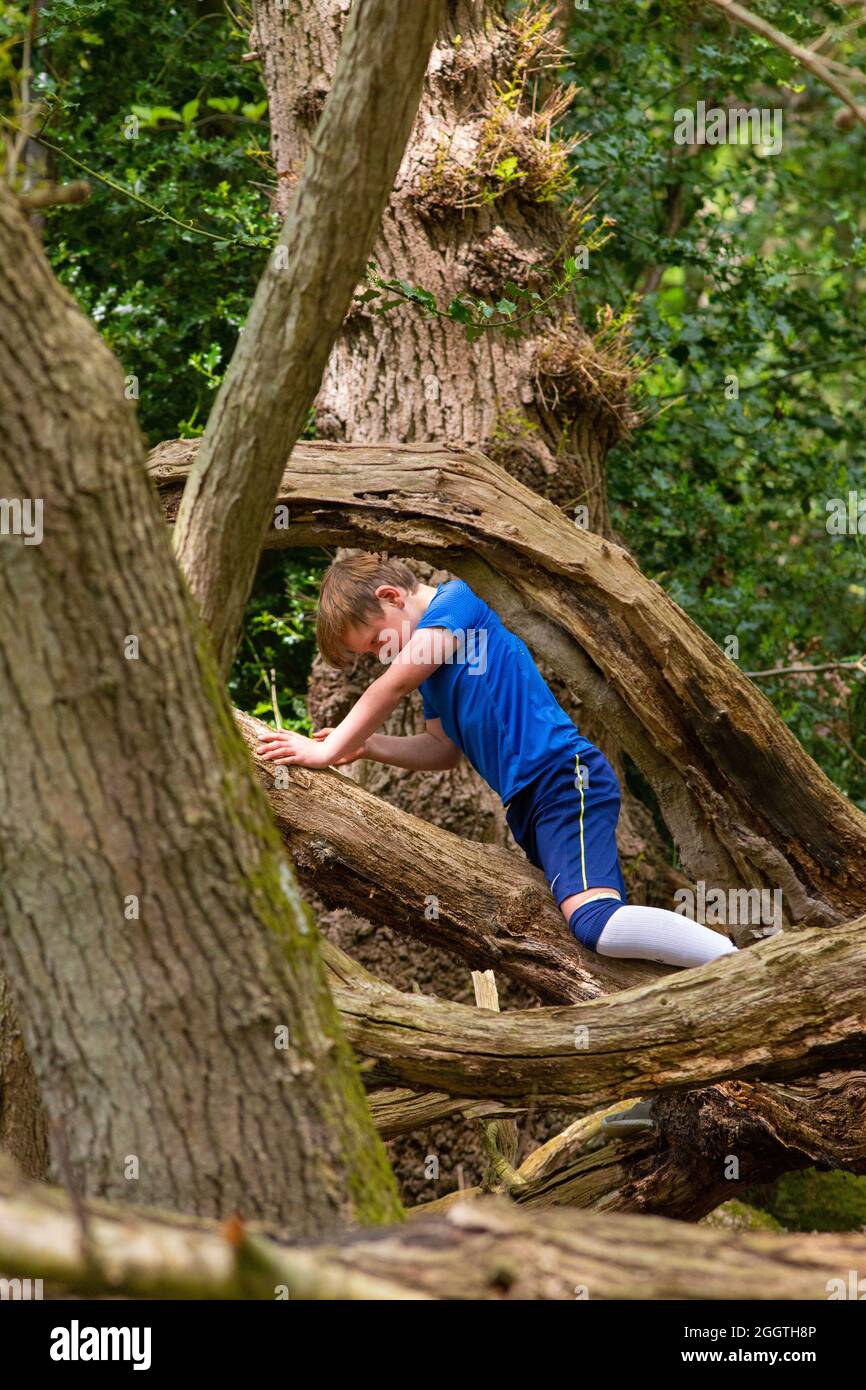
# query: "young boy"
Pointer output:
{"type": "Point", "coordinates": [485, 697]}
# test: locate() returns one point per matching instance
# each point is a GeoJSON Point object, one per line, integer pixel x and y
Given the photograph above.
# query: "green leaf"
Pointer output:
{"type": "Point", "coordinates": [459, 311]}
{"type": "Point", "coordinates": [507, 168]}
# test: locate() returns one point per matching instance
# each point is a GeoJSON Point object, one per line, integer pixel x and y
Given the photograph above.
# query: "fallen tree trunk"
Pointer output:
{"type": "Point", "coordinates": [483, 903]}
{"type": "Point", "coordinates": [741, 797]}
{"type": "Point", "coordinates": [790, 1006]}
{"type": "Point", "coordinates": [683, 1169]}
{"type": "Point", "coordinates": [484, 1249]}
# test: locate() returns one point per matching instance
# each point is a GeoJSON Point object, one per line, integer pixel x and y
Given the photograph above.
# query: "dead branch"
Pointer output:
{"type": "Point", "coordinates": [807, 57]}
{"type": "Point", "coordinates": [482, 1249]}
{"type": "Point", "coordinates": [790, 1006]}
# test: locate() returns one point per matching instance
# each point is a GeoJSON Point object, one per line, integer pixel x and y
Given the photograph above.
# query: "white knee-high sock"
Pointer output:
{"type": "Point", "coordinates": [654, 933]}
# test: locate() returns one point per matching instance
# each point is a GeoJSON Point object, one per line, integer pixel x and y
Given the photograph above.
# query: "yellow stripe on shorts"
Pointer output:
{"type": "Point", "coordinates": [577, 774]}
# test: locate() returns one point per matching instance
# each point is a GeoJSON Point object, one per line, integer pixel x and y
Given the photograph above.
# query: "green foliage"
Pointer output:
{"type": "Point", "coordinates": [159, 102]}
{"type": "Point", "coordinates": [279, 636]}
{"type": "Point", "coordinates": [809, 1200]}
{"type": "Point", "coordinates": [760, 266]}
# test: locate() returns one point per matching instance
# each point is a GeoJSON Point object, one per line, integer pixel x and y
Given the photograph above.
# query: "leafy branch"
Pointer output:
{"type": "Point", "coordinates": [162, 213]}
{"type": "Point", "coordinates": [476, 315]}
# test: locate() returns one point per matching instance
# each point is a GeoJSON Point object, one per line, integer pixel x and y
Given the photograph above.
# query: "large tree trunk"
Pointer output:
{"type": "Point", "coordinates": [23, 1130]}
{"type": "Point", "coordinates": [165, 969]}
{"type": "Point", "coordinates": [451, 226]}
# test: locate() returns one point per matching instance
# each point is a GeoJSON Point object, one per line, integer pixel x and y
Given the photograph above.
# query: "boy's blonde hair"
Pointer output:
{"type": "Point", "coordinates": [347, 598]}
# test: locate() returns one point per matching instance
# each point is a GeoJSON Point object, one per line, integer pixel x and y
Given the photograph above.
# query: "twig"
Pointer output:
{"type": "Point", "coordinates": [806, 56]}
{"type": "Point", "coordinates": [859, 665]}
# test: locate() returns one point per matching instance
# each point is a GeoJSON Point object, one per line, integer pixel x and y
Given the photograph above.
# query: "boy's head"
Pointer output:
{"type": "Point", "coordinates": [362, 607]}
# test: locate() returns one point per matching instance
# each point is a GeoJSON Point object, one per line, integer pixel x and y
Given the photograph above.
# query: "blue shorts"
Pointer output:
{"type": "Point", "coordinates": [565, 822]}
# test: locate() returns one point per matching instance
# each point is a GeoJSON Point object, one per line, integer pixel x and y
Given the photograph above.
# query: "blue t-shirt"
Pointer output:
{"type": "Point", "coordinates": [491, 697]}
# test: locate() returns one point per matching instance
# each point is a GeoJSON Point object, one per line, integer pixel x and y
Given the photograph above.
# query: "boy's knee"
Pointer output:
{"type": "Point", "coordinates": [588, 921]}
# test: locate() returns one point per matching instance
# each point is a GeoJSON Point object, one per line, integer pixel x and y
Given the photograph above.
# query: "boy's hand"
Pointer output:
{"type": "Point", "coordinates": [281, 746]}
{"type": "Point", "coordinates": [356, 753]}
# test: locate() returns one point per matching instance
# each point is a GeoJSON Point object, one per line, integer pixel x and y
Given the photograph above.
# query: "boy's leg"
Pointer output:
{"type": "Point", "coordinates": [653, 933]}
{"type": "Point", "coordinates": [576, 841]}
{"type": "Point", "coordinates": [574, 816]}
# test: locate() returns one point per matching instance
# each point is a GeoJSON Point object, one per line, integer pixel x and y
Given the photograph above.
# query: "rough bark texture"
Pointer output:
{"type": "Point", "coordinates": [487, 1249]}
{"type": "Point", "coordinates": [23, 1130]}
{"type": "Point", "coordinates": [151, 930]}
{"type": "Point", "coordinates": [452, 225]}
{"type": "Point", "coordinates": [299, 304]}
{"type": "Point", "coordinates": [745, 804]}
{"type": "Point", "coordinates": [684, 1168]}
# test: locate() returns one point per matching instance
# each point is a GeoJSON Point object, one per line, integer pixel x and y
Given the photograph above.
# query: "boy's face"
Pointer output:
{"type": "Point", "coordinates": [384, 636]}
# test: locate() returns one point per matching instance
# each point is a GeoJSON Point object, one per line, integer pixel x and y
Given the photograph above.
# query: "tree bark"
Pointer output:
{"type": "Point", "coordinates": [549, 405]}
{"type": "Point", "coordinates": [683, 1169]}
{"type": "Point", "coordinates": [151, 930]}
{"type": "Point", "coordinates": [299, 305]}
{"type": "Point", "coordinates": [23, 1130]}
{"type": "Point", "coordinates": [745, 804]}
{"type": "Point", "coordinates": [479, 1249]}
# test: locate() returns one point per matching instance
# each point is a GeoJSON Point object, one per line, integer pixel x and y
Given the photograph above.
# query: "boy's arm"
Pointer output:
{"type": "Point", "coordinates": [408, 669]}
{"type": "Point", "coordinates": [430, 752]}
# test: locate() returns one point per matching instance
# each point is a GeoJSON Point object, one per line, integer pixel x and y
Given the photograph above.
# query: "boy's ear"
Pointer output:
{"type": "Point", "coordinates": [390, 593]}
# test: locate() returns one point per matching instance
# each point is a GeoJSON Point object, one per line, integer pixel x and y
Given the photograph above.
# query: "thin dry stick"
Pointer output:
{"type": "Point", "coordinates": [277, 718]}
{"type": "Point", "coordinates": [859, 665]}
